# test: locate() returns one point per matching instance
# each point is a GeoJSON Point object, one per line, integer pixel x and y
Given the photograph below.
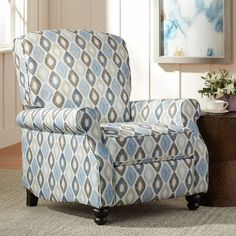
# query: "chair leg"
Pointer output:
{"type": "Point", "coordinates": [193, 201]}
{"type": "Point", "coordinates": [100, 215]}
{"type": "Point", "coordinates": [31, 199]}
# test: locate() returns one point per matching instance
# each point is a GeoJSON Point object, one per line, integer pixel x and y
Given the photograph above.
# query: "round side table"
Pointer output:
{"type": "Point", "coordinates": [219, 134]}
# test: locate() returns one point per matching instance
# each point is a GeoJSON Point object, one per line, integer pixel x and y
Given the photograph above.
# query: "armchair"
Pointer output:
{"type": "Point", "coordinates": [84, 141]}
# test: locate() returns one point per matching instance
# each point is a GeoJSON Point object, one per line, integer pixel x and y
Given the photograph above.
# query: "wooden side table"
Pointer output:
{"type": "Point", "coordinates": [219, 134]}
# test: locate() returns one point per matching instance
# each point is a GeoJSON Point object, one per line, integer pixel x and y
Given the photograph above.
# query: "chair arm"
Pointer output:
{"type": "Point", "coordinates": [65, 120]}
{"type": "Point", "coordinates": [181, 112]}
{"type": "Point", "coordinates": [81, 125]}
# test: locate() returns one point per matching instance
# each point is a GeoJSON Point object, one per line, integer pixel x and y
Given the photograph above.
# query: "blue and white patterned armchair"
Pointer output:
{"type": "Point", "coordinates": [84, 141]}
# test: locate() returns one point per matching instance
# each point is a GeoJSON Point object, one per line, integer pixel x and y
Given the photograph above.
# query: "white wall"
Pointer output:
{"type": "Point", "coordinates": [9, 97]}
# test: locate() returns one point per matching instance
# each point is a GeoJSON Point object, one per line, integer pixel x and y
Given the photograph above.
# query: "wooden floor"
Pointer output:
{"type": "Point", "coordinates": [10, 157]}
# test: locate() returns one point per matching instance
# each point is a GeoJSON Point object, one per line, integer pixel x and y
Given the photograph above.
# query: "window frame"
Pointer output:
{"type": "Point", "coordinates": [7, 46]}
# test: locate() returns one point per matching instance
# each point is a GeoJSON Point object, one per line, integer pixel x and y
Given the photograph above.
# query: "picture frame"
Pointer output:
{"type": "Point", "coordinates": [189, 41]}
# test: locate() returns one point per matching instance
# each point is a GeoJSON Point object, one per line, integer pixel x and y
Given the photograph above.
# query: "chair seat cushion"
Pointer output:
{"type": "Point", "coordinates": [140, 142]}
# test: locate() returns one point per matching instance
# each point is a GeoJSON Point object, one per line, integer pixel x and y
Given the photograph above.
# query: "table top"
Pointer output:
{"type": "Point", "coordinates": [228, 114]}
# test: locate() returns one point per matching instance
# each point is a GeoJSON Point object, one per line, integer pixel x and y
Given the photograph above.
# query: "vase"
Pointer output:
{"type": "Point", "coordinates": [232, 103]}
{"type": "Point", "coordinates": [231, 100]}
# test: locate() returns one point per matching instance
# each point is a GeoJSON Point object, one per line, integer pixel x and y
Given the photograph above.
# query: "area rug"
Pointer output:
{"type": "Point", "coordinates": [168, 217]}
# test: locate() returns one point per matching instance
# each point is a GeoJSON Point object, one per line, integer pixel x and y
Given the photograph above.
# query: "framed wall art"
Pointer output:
{"type": "Point", "coordinates": [193, 31]}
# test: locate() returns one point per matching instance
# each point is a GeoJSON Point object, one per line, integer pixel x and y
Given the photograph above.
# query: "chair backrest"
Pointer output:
{"type": "Point", "coordinates": [74, 68]}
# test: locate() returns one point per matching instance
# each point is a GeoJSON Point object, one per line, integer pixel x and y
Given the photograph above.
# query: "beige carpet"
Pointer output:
{"type": "Point", "coordinates": [169, 217]}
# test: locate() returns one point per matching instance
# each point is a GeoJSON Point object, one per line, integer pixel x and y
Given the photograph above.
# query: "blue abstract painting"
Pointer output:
{"type": "Point", "coordinates": [192, 28]}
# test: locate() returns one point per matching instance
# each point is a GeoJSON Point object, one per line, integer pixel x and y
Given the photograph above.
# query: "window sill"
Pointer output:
{"type": "Point", "coordinates": [3, 50]}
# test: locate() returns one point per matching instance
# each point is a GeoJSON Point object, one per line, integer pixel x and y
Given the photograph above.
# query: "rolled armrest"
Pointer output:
{"type": "Point", "coordinates": [74, 122]}
{"type": "Point", "coordinates": [181, 112]}
{"type": "Point", "coordinates": [65, 120]}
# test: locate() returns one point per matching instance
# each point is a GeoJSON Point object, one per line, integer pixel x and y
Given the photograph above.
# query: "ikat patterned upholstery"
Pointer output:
{"type": "Point", "coordinates": [132, 142]}
{"type": "Point", "coordinates": [46, 58]}
{"type": "Point", "coordinates": [83, 140]}
{"type": "Point", "coordinates": [66, 120]}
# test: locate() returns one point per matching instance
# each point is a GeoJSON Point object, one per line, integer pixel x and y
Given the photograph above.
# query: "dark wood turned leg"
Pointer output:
{"type": "Point", "coordinates": [100, 215]}
{"type": "Point", "coordinates": [193, 201]}
{"type": "Point", "coordinates": [31, 199]}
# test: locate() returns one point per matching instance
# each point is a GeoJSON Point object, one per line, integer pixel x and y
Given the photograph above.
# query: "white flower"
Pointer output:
{"type": "Point", "coordinates": [219, 84]}
{"type": "Point", "coordinates": [233, 79]}
{"type": "Point", "coordinates": [230, 89]}
{"type": "Point", "coordinates": [220, 92]}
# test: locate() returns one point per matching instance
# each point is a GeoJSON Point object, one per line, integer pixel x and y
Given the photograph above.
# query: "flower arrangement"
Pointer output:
{"type": "Point", "coordinates": [218, 85]}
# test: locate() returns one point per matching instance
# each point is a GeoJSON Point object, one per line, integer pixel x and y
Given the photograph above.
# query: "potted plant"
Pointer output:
{"type": "Point", "coordinates": [220, 86]}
